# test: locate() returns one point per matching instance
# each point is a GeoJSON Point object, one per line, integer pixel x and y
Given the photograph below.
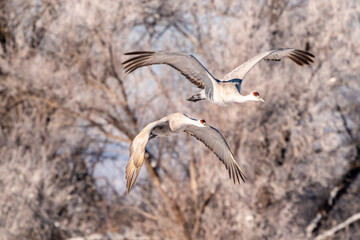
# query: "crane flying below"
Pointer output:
{"type": "Point", "coordinates": [221, 92]}
{"type": "Point", "coordinates": [171, 125]}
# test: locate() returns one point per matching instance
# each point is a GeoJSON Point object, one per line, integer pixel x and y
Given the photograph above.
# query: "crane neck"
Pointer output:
{"type": "Point", "coordinates": [243, 98]}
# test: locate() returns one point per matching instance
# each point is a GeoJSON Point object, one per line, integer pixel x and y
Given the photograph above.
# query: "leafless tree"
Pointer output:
{"type": "Point", "coordinates": [68, 113]}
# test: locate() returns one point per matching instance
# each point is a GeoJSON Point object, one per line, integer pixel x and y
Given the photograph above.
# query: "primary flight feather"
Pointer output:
{"type": "Point", "coordinates": [219, 91]}
{"type": "Point", "coordinates": [173, 124]}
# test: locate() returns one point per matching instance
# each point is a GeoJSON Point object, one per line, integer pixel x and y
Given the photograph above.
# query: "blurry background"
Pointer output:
{"type": "Point", "coordinates": [68, 113]}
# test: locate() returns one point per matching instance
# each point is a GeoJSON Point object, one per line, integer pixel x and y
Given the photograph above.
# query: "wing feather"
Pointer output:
{"type": "Point", "coordinates": [186, 64]}
{"type": "Point", "coordinates": [137, 150]}
{"type": "Point", "coordinates": [213, 139]}
{"type": "Point", "coordinates": [300, 57]}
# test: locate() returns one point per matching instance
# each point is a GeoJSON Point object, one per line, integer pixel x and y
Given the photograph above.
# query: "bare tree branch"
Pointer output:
{"type": "Point", "coordinates": [80, 115]}
{"type": "Point", "coordinates": [332, 231]}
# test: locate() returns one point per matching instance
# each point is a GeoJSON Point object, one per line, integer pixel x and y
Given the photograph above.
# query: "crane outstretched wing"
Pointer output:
{"type": "Point", "coordinates": [213, 139]}
{"type": "Point", "coordinates": [300, 57]}
{"type": "Point", "coordinates": [186, 64]}
{"type": "Point", "coordinates": [137, 150]}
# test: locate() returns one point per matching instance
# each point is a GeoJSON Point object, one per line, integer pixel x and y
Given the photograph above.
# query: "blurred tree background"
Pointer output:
{"type": "Point", "coordinates": [68, 113]}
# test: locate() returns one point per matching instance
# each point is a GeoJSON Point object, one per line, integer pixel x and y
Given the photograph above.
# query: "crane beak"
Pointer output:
{"type": "Point", "coordinates": [261, 100]}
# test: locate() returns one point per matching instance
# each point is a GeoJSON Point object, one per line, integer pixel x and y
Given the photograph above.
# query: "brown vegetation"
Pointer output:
{"type": "Point", "coordinates": [68, 113]}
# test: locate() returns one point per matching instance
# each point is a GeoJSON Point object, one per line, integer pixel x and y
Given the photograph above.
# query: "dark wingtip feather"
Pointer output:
{"type": "Point", "coordinates": [237, 175]}
{"type": "Point", "coordinates": [295, 60]}
{"type": "Point", "coordinates": [136, 58]}
{"type": "Point", "coordinates": [139, 52]}
{"type": "Point", "coordinates": [242, 175]}
{"type": "Point", "coordinates": [133, 67]}
{"type": "Point", "coordinates": [233, 173]}
{"type": "Point", "coordinates": [304, 57]}
{"type": "Point", "coordinates": [305, 52]}
{"type": "Point", "coordinates": [301, 58]}
{"type": "Point", "coordinates": [135, 62]}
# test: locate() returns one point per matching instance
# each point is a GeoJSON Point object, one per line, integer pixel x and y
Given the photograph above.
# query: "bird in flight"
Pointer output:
{"type": "Point", "coordinates": [171, 125]}
{"type": "Point", "coordinates": [223, 91]}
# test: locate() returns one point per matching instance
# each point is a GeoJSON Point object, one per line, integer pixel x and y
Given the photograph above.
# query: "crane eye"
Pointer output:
{"type": "Point", "coordinates": [202, 121]}
{"type": "Point", "coordinates": [256, 94]}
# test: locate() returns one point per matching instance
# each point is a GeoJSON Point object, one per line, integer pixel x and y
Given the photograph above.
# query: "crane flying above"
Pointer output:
{"type": "Point", "coordinates": [223, 91]}
{"type": "Point", "coordinates": [173, 124]}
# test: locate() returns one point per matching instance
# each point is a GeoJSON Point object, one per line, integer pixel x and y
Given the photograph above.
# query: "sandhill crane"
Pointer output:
{"type": "Point", "coordinates": [221, 92]}
{"type": "Point", "coordinates": [171, 125]}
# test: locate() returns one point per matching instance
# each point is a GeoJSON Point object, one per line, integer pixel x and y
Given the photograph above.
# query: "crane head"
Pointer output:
{"type": "Point", "coordinates": [256, 97]}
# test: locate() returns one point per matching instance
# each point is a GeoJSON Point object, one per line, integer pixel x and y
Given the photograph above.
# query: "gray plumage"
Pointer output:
{"type": "Point", "coordinates": [300, 57]}
{"type": "Point", "coordinates": [223, 91]}
{"type": "Point", "coordinates": [171, 125]}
